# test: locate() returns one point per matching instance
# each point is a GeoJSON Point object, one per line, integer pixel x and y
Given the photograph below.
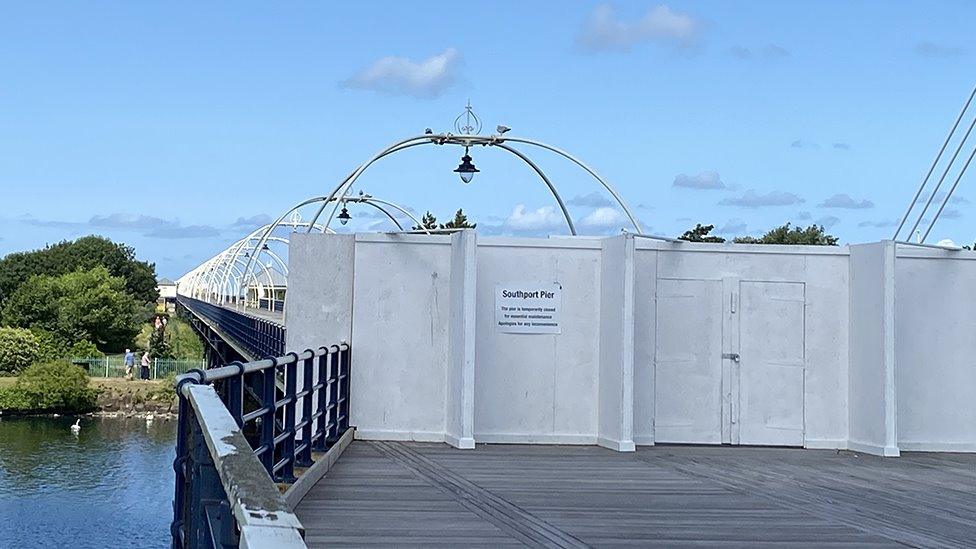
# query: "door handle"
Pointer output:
{"type": "Point", "coordinates": [734, 357]}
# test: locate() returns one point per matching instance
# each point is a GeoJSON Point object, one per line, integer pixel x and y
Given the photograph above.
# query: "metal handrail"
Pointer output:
{"type": "Point", "coordinates": [258, 336]}
{"type": "Point", "coordinates": [260, 412]}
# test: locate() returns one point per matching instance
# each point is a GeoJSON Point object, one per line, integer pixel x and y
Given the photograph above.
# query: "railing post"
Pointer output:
{"type": "Point", "coordinates": [344, 390]}
{"type": "Point", "coordinates": [288, 445]}
{"type": "Point", "coordinates": [334, 396]}
{"type": "Point", "coordinates": [235, 394]}
{"type": "Point", "coordinates": [180, 465]}
{"type": "Point", "coordinates": [321, 427]}
{"type": "Point", "coordinates": [308, 366]}
{"type": "Point", "coordinates": [268, 419]}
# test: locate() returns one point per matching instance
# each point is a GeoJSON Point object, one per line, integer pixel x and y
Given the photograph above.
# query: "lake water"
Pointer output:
{"type": "Point", "coordinates": [109, 486]}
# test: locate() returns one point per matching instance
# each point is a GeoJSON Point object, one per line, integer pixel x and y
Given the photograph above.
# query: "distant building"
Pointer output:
{"type": "Point", "coordinates": [167, 294]}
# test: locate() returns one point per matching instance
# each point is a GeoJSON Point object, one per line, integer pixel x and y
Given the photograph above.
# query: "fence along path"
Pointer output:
{"type": "Point", "coordinates": [114, 366]}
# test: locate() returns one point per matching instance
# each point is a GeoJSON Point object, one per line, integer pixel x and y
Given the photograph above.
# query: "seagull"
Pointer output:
{"type": "Point", "coordinates": [428, 131]}
{"type": "Point", "coordinates": [76, 427]}
{"type": "Point", "coordinates": [502, 129]}
{"type": "Point", "coordinates": [149, 419]}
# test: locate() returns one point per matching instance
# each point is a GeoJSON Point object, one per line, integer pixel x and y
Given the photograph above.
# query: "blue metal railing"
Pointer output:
{"type": "Point", "coordinates": [258, 336]}
{"type": "Point", "coordinates": [279, 422]}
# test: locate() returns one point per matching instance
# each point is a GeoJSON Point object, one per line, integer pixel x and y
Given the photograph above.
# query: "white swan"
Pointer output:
{"type": "Point", "coordinates": [76, 427]}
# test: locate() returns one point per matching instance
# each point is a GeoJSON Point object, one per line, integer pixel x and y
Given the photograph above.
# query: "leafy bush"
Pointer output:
{"type": "Point", "coordinates": [18, 349]}
{"type": "Point", "coordinates": [84, 349]}
{"type": "Point", "coordinates": [50, 386]}
{"type": "Point", "coordinates": [53, 346]}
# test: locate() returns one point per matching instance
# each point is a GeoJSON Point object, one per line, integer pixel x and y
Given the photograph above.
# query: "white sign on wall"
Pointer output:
{"type": "Point", "coordinates": [528, 308]}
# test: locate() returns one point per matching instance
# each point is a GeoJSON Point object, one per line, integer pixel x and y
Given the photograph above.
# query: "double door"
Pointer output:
{"type": "Point", "coordinates": [729, 362]}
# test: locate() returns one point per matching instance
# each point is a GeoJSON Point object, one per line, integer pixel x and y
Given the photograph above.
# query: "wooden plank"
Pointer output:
{"type": "Point", "coordinates": [389, 493]}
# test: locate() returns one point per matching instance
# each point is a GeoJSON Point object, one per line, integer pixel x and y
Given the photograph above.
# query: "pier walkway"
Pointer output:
{"type": "Point", "coordinates": [391, 493]}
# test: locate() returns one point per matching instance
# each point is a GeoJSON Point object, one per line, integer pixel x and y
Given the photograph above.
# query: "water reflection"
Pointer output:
{"type": "Point", "coordinates": [108, 486]}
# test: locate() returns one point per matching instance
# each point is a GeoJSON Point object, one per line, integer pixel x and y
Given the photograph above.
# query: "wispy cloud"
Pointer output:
{"type": "Point", "coordinates": [801, 144]}
{"type": "Point", "coordinates": [604, 31]}
{"type": "Point", "coordinates": [768, 52]}
{"type": "Point", "coordinates": [425, 79]}
{"type": "Point", "coordinates": [539, 220]}
{"type": "Point", "coordinates": [879, 224]}
{"type": "Point", "coordinates": [803, 216]}
{"type": "Point", "coordinates": [752, 199]}
{"type": "Point", "coordinates": [841, 146]}
{"type": "Point", "coordinates": [828, 221]}
{"type": "Point", "coordinates": [704, 180]}
{"type": "Point", "coordinates": [251, 223]}
{"type": "Point", "coordinates": [845, 201]}
{"type": "Point", "coordinates": [931, 49]}
{"type": "Point", "coordinates": [940, 196]}
{"type": "Point", "coordinates": [604, 218]}
{"type": "Point", "coordinates": [591, 200]}
{"type": "Point", "coordinates": [147, 225]}
{"type": "Point", "coordinates": [732, 226]}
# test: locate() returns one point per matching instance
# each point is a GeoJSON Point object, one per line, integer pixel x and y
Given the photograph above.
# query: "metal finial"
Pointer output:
{"type": "Point", "coordinates": [470, 125]}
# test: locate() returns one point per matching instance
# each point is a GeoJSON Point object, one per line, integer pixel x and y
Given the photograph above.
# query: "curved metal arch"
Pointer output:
{"type": "Point", "coordinates": [467, 141]}
{"type": "Point", "coordinates": [271, 226]}
{"type": "Point", "coordinates": [240, 246]}
{"type": "Point", "coordinates": [589, 170]}
{"type": "Point", "coordinates": [325, 228]}
{"type": "Point", "coordinates": [552, 188]}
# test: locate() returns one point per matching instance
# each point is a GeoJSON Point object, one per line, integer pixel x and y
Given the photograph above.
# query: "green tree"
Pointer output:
{"type": "Point", "coordinates": [460, 221]}
{"type": "Point", "coordinates": [159, 346]}
{"type": "Point", "coordinates": [814, 235]}
{"type": "Point", "coordinates": [82, 254]}
{"type": "Point", "coordinates": [83, 305]}
{"type": "Point", "coordinates": [19, 349]}
{"type": "Point", "coordinates": [428, 221]}
{"type": "Point", "coordinates": [700, 234]}
{"type": "Point", "coordinates": [183, 340]}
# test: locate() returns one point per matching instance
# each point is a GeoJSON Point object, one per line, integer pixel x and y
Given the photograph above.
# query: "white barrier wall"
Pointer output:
{"type": "Point", "coordinates": [872, 357]}
{"type": "Point", "coordinates": [657, 342]}
{"type": "Point", "coordinates": [935, 346]}
{"type": "Point", "coordinates": [539, 387]}
{"type": "Point", "coordinates": [692, 288]}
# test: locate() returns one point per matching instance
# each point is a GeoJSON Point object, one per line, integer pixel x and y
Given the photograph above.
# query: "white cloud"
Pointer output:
{"type": "Point", "coordinates": [592, 200]}
{"type": "Point", "coordinates": [732, 226]}
{"type": "Point", "coordinates": [604, 218]}
{"type": "Point", "coordinates": [769, 52]}
{"type": "Point", "coordinates": [426, 79]}
{"type": "Point", "coordinates": [538, 220]}
{"type": "Point", "coordinates": [603, 31]}
{"type": "Point", "coordinates": [879, 224]}
{"type": "Point", "coordinates": [931, 49]}
{"type": "Point", "coordinates": [845, 201]}
{"type": "Point", "coordinates": [704, 180]}
{"type": "Point", "coordinates": [752, 199]}
{"type": "Point", "coordinates": [828, 221]}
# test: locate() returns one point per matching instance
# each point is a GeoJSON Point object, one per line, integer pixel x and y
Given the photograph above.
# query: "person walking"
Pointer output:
{"type": "Point", "coordinates": [144, 370]}
{"type": "Point", "coordinates": [130, 362]}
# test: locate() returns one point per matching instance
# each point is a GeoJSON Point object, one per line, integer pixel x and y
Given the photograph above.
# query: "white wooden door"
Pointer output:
{"type": "Point", "coordinates": [688, 362]}
{"type": "Point", "coordinates": [771, 364]}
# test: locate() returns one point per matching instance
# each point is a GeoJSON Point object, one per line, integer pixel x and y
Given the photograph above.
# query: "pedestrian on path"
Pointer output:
{"type": "Point", "coordinates": [144, 371]}
{"type": "Point", "coordinates": [130, 362]}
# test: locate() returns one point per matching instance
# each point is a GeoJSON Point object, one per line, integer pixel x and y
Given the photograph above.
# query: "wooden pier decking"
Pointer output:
{"type": "Point", "coordinates": [389, 493]}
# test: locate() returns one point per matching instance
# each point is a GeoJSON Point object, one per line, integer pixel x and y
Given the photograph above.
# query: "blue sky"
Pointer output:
{"type": "Point", "coordinates": [176, 126]}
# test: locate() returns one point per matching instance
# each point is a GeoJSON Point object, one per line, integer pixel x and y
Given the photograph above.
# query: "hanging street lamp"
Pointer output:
{"type": "Point", "coordinates": [344, 216]}
{"type": "Point", "coordinates": [466, 169]}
